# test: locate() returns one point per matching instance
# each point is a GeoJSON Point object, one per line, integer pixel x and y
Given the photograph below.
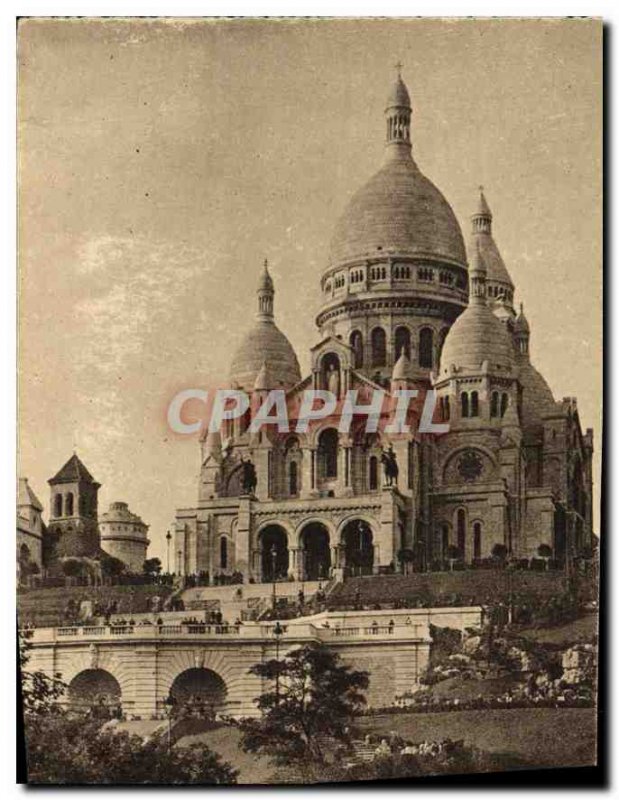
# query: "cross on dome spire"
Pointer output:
{"type": "Point", "coordinates": [398, 67]}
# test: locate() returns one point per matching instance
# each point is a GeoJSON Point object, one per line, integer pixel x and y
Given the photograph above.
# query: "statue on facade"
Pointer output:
{"type": "Point", "coordinates": [333, 380]}
{"type": "Point", "coordinates": [390, 466]}
{"type": "Point", "coordinates": [249, 479]}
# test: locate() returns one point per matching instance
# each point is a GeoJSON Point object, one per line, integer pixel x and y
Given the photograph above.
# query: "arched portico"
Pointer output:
{"type": "Point", "coordinates": [274, 554]}
{"type": "Point", "coordinates": [92, 688]}
{"type": "Point", "coordinates": [200, 686]}
{"type": "Point", "coordinates": [357, 546]}
{"type": "Point", "coordinates": [314, 540]}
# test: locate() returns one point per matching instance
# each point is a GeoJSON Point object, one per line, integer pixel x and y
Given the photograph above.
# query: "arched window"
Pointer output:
{"type": "Point", "coordinates": [379, 348]}
{"type": "Point", "coordinates": [504, 403]}
{"type": "Point", "coordinates": [223, 552]}
{"type": "Point", "coordinates": [426, 343]}
{"type": "Point", "coordinates": [474, 404]}
{"type": "Point", "coordinates": [447, 409]}
{"type": "Point", "coordinates": [293, 478]}
{"type": "Point", "coordinates": [58, 505]}
{"type": "Point", "coordinates": [441, 341]}
{"type": "Point", "coordinates": [464, 404]}
{"type": "Point", "coordinates": [327, 450]}
{"type": "Point", "coordinates": [461, 527]}
{"type": "Point", "coordinates": [356, 342]}
{"type": "Point", "coordinates": [445, 539]}
{"type": "Point", "coordinates": [494, 404]}
{"type": "Point", "coordinates": [477, 540]}
{"type": "Point", "coordinates": [402, 342]}
{"type": "Point", "coordinates": [373, 472]}
{"type": "Point", "coordinates": [68, 504]}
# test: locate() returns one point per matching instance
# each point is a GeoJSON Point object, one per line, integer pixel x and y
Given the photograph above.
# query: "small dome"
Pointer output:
{"type": "Point", "coordinates": [477, 336]}
{"type": "Point", "coordinates": [399, 96]}
{"type": "Point", "coordinates": [398, 209]}
{"type": "Point", "coordinates": [537, 398]}
{"type": "Point", "coordinates": [521, 325]}
{"type": "Point", "coordinates": [265, 344]}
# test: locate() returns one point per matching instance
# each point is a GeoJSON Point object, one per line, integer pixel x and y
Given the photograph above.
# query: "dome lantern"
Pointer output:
{"type": "Point", "coordinates": [398, 113]}
{"type": "Point", "coordinates": [266, 293]}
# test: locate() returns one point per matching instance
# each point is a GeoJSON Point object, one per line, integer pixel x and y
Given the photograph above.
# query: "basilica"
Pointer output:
{"type": "Point", "coordinates": [405, 305]}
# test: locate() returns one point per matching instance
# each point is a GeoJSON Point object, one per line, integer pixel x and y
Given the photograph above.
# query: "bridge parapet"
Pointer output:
{"type": "Point", "coordinates": [295, 632]}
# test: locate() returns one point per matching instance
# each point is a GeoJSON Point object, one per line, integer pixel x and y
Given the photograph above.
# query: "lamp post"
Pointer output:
{"type": "Point", "coordinates": [168, 539]}
{"type": "Point", "coordinates": [277, 633]}
{"type": "Point", "coordinates": [168, 707]}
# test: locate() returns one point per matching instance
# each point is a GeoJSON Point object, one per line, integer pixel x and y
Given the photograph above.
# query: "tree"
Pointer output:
{"type": "Point", "coordinates": [39, 692]}
{"type": "Point", "coordinates": [309, 708]}
{"type": "Point", "coordinates": [152, 566]}
{"type": "Point", "coordinates": [64, 749]}
{"type": "Point", "coordinates": [111, 566]}
{"type": "Point", "coordinates": [545, 551]}
{"type": "Point", "coordinates": [452, 554]}
{"type": "Point", "coordinates": [72, 567]}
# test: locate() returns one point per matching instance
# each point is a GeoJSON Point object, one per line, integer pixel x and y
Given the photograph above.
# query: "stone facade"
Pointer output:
{"type": "Point", "coordinates": [30, 528]}
{"type": "Point", "coordinates": [514, 468]}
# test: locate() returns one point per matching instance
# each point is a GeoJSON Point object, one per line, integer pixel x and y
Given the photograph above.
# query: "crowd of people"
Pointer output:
{"type": "Point", "coordinates": [394, 744]}
{"type": "Point", "coordinates": [550, 695]}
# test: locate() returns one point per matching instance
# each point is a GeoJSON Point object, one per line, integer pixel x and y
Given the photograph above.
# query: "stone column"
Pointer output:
{"type": "Point", "coordinates": [243, 537]}
{"type": "Point", "coordinates": [306, 472]}
{"type": "Point", "coordinates": [387, 527]}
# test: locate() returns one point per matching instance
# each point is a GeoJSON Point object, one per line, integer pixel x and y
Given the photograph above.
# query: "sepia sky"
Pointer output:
{"type": "Point", "coordinates": [160, 162]}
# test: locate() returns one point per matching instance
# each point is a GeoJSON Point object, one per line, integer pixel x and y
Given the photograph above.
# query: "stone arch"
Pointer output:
{"type": "Point", "coordinates": [57, 505]}
{"type": "Point", "coordinates": [316, 537]}
{"type": "Point", "coordinates": [201, 684]}
{"type": "Point", "coordinates": [451, 456]}
{"type": "Point", "coordinates": [356, 343]}
{"type": "Point", "coordinates": [378, 344]}
{"type": "Point", "coordinates": [328, 445]}
{"type": "Point", "coordinates": [173, 661]}
{"type": "Point", "coordinates": [460, 525]}
{"type": "Point", "coordinates": [93, 687]}
{"type": "Point", "coordinates": [69, 504]}
{"type": "Point", "coordinates": [426, 347]}
{"type": "Point", "coordinates": [273, 542]}
{"type": "Point", "coordinates": [477, 538]}
{"type": "Point", "coordinates": [356, 538]}
{"type": "Point", "coordinates": [402, 342]}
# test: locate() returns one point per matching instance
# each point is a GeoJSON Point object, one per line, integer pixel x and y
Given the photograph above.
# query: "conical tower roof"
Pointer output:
{"type": "Point", "coordinates": [74, 470]}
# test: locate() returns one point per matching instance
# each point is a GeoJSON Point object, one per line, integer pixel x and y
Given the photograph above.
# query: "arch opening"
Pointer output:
{"type": "Point", "coordinates": [275, 556]}
{"type": "Point", "coordinates": [358, 545]}
{"type": "Point", "coordinates": [200, 687]}
{"type": "Point", "coordinates": [95, 690]}
{"type": "Point", "coordinates": [316, 552]}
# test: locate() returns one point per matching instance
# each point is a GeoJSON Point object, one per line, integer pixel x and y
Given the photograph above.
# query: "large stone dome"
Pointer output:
{"type": "Point", "coordinates": [265, 344]}
{"type": "Point", "coordinates": [537, 398]}
{"type": "Point", "coordinates": [398, 209]}
{"type": "Point", "coordinates": [477, 336]}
